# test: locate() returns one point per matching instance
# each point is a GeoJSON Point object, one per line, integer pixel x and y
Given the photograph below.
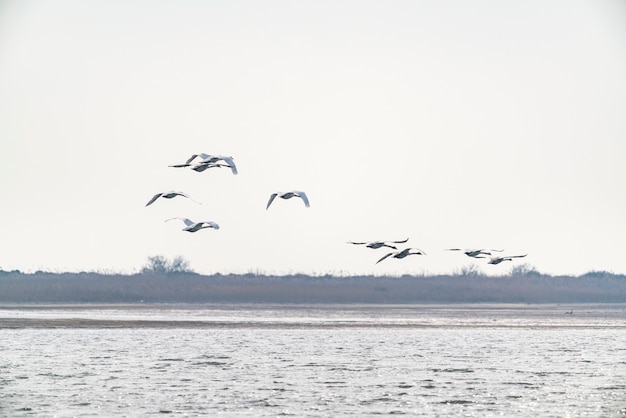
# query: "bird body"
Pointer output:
{"type": "Point", "coordinates": [200, 167]}
{"type": "Point", "coordinates": [379, 244]}
{"type": "Point", "coordinates": [402, 253]}
{"type": "Point", "coordinates": [288, 195]}
{"type": "Point", "coordinates": [169, 195]}
{"type": "Point", "coordinates": [192, 226]}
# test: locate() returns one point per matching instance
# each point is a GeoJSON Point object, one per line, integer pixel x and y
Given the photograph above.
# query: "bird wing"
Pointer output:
{"type": "Point", "coordinates": [207, 158]}
{"type": "Point", "coordinates": [304, 198]}
{"type": "Point", "coordinates": [272, 197]}
{"type": "Point", "coordinates": [476, 253]}
{"type": "Point", "coordinates": [190, 159]}
{"type": "Point", "coordinates": [380, 244]}
{"type": "Point", "coordinates": [212, 224]}
{"type": "Point", "coordinates": [356, 243]}
{"type": "Point", "coordinates": [399, 242]}
{"type": "Point", "coordinates": [385, 256]}
{"type": "Point", "coordinates": [187, 221]}
{"type": "Point", "coordinates": [180, 165]}
{"type": "Point", "coordinates": [201, 167]}
{"type": "Point", "coordinates": [203, 157]}
{"type": "Point", "coordinates": [155, 197]}
{"type": "Point", "coordinates": [187, 196]}
{"type": "Point", "coordinates": [517, 256]}
{"type": "Point", "coordinates": [403, 253]}
{"type": "Point", "coordinates": [231, 164]}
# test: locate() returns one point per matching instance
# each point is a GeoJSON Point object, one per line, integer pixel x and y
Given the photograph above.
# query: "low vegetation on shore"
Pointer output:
{"type": "Point", "coordinates": [172, 281]}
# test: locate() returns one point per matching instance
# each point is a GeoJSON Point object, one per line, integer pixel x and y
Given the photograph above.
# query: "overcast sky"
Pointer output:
{"type": "Point", "coordinates": [488, 124]}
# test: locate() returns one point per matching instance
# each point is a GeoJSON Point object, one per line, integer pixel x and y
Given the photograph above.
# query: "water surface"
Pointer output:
{"type": "Point", "coordinates": [317, 361]}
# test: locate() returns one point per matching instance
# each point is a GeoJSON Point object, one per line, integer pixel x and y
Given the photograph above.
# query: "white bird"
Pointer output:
{"type": "Point", "coordinates": [289, 195]}
{"type": "Point", "coordinates": [200, 167]}
{"type": "Point", "coordinates": [208, 161]}
{"type": "Point", "coordinates": [498, 260]}
{"type": "Point", "coordinates": [475, 253]}
{"type": "Point", "coordinates": [379, 244]}
{"type": "Point", "coordinates": [169, 195]}
{"type": "Point", "coordinates": [196, 226]}
{"type": "Point", "coordinates": [402, 253]}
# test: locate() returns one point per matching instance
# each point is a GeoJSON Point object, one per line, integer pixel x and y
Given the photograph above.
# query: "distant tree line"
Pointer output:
{"type": "Point", "coordinates": [172, 281]}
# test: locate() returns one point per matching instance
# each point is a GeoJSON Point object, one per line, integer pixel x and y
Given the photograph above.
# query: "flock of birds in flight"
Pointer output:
{"type": "Point", "coordinates": [204, 162]}
{"type": "Point", "coordinates": [405, 252]}
{"type": "Point", "coordinates": [201, 162]}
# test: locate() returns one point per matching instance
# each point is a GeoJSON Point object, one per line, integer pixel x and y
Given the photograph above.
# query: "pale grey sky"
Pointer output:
{"type": "Point", "coordinates": [457, 124]}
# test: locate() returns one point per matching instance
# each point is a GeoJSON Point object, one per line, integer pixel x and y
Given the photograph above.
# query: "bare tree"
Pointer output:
{"type": "Point", "coordinates": [471, 270]}
{"type": "Point", "coordinates": [524, 270]}
{"type": "Point", "coordinates": [158, 264]}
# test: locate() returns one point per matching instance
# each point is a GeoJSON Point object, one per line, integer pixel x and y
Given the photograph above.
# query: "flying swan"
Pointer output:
{"type": "Point", "coordinates": [169, 195]}
{"type": "Point", "coordinates": [379, 244]}
{"type": "Point", "coordinates": [208, 161]}
{"type": "Point", "coordinates": [403, 253]}
{"type": "Point", "coordinates": [192, 226]}
{"type": "Point", "coordinates": [200, 167]}
{"type": "Point", "coordinates": [288, 195]}
{"type": "Point", "coordinates": [498, 260]}
{"type": "Point", "coordinates": [473, 252]}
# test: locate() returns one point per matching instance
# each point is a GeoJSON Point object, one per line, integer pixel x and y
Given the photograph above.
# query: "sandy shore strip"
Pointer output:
{"type": "Point", "coordinates": [78, 323]}
{"type": "Point", "coordinates": [223, 316]}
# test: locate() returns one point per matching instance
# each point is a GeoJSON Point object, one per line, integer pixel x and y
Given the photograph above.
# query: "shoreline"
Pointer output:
{"type": "Point", "coordinates": [313, 316]}
{"type": "Point", "coordinates": [81, 323]}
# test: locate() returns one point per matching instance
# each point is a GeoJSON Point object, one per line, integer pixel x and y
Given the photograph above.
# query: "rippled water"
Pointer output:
{"type": "Point", "coordinates": [313, 361]}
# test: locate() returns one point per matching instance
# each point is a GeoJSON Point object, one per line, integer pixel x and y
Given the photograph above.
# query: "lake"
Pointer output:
{"type": "Point", "coordinates": [313, 361]}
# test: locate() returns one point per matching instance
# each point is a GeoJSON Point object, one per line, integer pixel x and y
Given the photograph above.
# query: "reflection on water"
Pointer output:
{"type": "Point", "coordinates": [313, 361]}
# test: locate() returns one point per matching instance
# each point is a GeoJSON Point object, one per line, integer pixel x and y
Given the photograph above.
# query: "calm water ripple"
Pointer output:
{"type": "Point", "coordinates": [567, 367]}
